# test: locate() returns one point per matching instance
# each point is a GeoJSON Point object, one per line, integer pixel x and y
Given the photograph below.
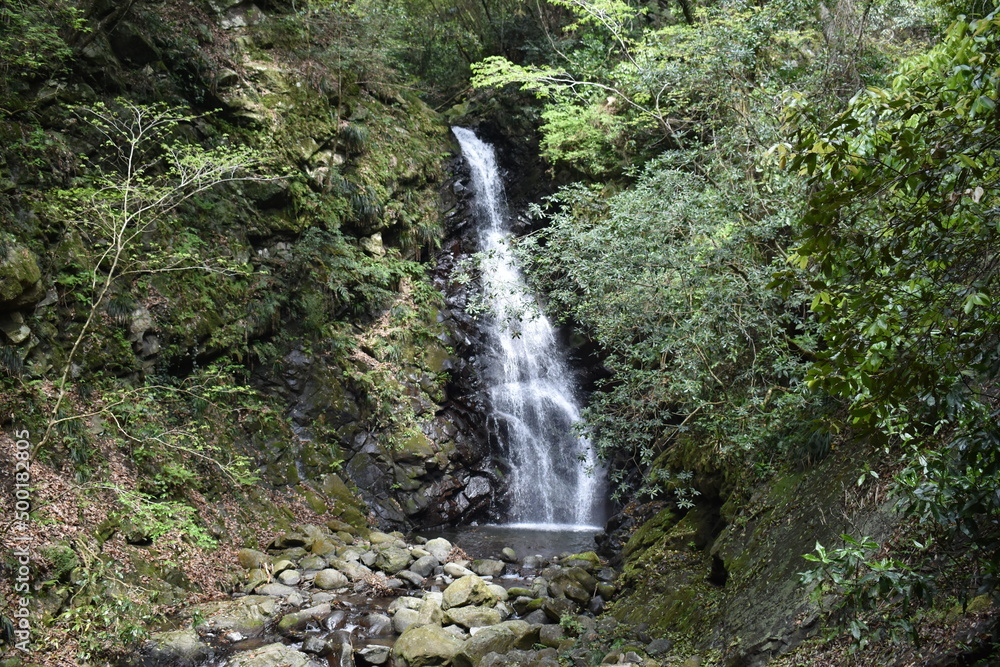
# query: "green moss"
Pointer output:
{"type": "Point", "coordinates": [650, 533]}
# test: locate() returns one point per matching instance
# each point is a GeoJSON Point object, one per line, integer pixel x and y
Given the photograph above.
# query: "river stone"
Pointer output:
{"type": "Point", "coordinates": [377, 624]}
{"type": "Point", "coordinates": [256, 578]}
{"type": "Point", "coordinates": [180, 647]}
{"type": "Point", "coordinates": [588, 560]}
{"type": "Point", "coordinates": [469, 590]}
{"type": "Point", "coordinates": [456, 570]}
{"type": "Point", "coordinates": [499, 638]}
{"type": "Point", "coordinates": [440, 548]}
{"type": "Point", "coordinates": [290, 577]}
{"type": "Point", "coordinates": [430, 610]}
{"type": "Point", "coordinates": [375, 654]}
{"type": "Point", "coordinates": [551, 635]}
{"type": "Point", "coordinates": [392, 560]}
{"type": "Point", "coordinates": [404, 602]}
{"type": "Point", "coordinates": [330, 579]}
{"type": "Point", "coordinates": [315, 644]}
{"type": "Point", "coordinates": [472, 617]}
{"type": "Point", "coordinates": [368, 558]}
{"type": "Point", "coordinates": [275, 590]}
{"type": "Point", "coordinates": [424, 565]}
{"type": "Point", "coordinates": [487, 567]}
{"type": "Point", "coordinates": [272, 655]}
{"type": "Point", "coordinates": [293, 624]}
{"type": "Point", "coordinates": [412, 577]}
{"type": "Point", "coordinates": [426, 645]}
{"type": "Point", "coordinates": [403, 619]}
{"type": "Point", "coordinates": [554, 608]}
{"type": "Point", "coordinates": [355, 571]}
{"type": "Point", "coordinates": [283, 564]}
{"type": "Point", "coordinates": [251, 559]}
{"type": "Point", "coordinates": [246, 615]}
{"type": "Point", "coordinates": [499, 591]}
{"type": "Point", "coordinates": [312, 563]}
{"type": "Point", "coordinates": [375, 537]}
{"type": "Point", "coordinates": [323, 547]}
{"type": "Point", "coordinates": [508, 555]}
{"type": "Point", "coordinates": [350, 553]}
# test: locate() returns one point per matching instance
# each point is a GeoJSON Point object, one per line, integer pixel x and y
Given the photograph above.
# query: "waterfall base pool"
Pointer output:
{"type": "Point", "coordinates": [526, 539]}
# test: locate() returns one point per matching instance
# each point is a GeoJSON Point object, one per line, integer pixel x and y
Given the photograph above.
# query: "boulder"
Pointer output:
{"type": "Point", "coordinates": [374, 654]}
{"type": "Point", "coordinates": [20, 279]}
{"type": "Point", "coordinates": [500, 638]}
{"type": "Point", "coordinates": [330, 579]}
{"type": "Point", "coordinates": [487, 567]}
{"type": "Point", "coordinates": [246, 616]}
{"type": "Point", "coordinates": [469, 590]}
{"type": "Point", "coordinates": [290, 577]}
{"type": "Point", "coordinates": [183, 648]}
{"type": "Point", "coordinates": [272, 655]}
{"type": "Point", "coordinates": [251, 559]}
{"type": "Point", "coordinates": [403, 619]}
{"type": "Point", "coordinates": [456, 570]}
{"type": "Point", "coordinates": [392, 560]}
{"type": "Point", "coordinates": [426, 645]}
{"type": "Point", "coordinates": [293, 624]}
{"type": "Point", "coordinates": [472, 616]}
{"type": "Point", "coordinates": [424, 565]}
{"type": "Point", "coordinates": [276, 590]}
{"type": "Point", "coordinates": [440, 548]}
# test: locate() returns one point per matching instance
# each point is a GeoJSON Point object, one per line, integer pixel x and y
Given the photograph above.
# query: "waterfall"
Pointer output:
{"type": "Point", "coordinates": [555, 479]}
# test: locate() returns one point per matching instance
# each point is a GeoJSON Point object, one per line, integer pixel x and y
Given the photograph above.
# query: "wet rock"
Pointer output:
{"type": "Point", "coordinates": [293, 624]}
{"type": "Point", "coordinates": [508, 555]}
{"type": "Point", "coordinates": [426, 645]}
{"type": "Point", "coordinates": [316, 645]}
{"type": "Point", "coordinates": [377, 624]}
{"type": "Point", "coordinates": [374, 654]}
{"type": "Point", "coordinates": [272, 655]}
{"type": "Point", "coordinates": [405, 602]}
{"type": "Point", "coordinates": [330, 579]}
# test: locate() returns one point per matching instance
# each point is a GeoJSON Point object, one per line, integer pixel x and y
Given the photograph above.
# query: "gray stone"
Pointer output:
{"type": "Point", "coordinates": [404, 602]}
{"type": "Point", "coordinates": [330, 579]}
{"type": "Point", "coordinates": [180, 647]}
{"type": "Point", "coordinates": [277, 590]}
{"type": "Point", "coordinates": [246, 615]}
{"type": "Point", "coordinates": [413, 578]}
{"type": "Point", "coordinates": [403, 619]}
{"type": "Point", "coordinates": [392, 560]}
{"type": "Point", "coordinates": [293, 624]}
{"type": "Point", "coordinates": [508, 555]}
{"type": "Point", "coordinates": [312, 563]}
{"type": "Point", "coordinates": [456, 570]}
{"type": "Point", "coordinates": [251, 559]}
{"type": "Point", "coordinates": [424, 565]}
{"type": "Point", "coordinates": [551, 635]}
{"type": "Point", "coordinates": [290, 577]}
{"type": "Point", "coordinates": [316, 645]}
{"type": "Point", "coordinates": [375, 654]}
{"type": "Point", "coordinates": [499, 638]}
{"type": "Point", "coordinates": [469, 590]}
{"type": "Point", "coordinates": [487, 567]}
{"type": "Point", "coordinates": [659, 647]}
{"type": "Point", "coordinates": [472, 616]}
{"type": "Point", "coordinates": [440, 548]}
{"type": "Point", "coordinates": [272, 655]}
{"type": "Point", "coordinates": [426, 645]}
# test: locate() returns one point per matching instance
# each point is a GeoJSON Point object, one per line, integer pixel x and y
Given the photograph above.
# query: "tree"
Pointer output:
{"type": "Point", "coordinates": [145, 171]}
{"type": "Point", "coordinates": [898, 250]}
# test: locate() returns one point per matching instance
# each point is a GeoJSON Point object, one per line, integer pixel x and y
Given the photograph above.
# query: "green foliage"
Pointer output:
{"type": "Point", "coordinates": [671, 280]}
{"type": "Point", "coordinates": [897, 252]}
{"type": "Point", "coordinates": [876, 598]}
{"type": "Point", "coordinates": [32, 37]}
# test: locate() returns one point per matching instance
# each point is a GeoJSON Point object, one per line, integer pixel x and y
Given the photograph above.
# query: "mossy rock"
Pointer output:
{"type": "Point", "coordinates": [20, 279]}
{"type": "Point", "coordinates": [650, 533]}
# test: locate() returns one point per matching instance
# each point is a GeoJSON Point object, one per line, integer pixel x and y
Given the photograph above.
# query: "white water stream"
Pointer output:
{"type": "Point", "coordinates": [556, 482]}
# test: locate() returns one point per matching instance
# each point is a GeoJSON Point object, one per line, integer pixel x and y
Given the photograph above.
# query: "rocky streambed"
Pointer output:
{"type": "Point", "coordinates": [325, 595]}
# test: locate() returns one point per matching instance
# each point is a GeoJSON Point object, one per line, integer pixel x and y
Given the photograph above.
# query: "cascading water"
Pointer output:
{"type": "Point", "coordinates": [555, 480]}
